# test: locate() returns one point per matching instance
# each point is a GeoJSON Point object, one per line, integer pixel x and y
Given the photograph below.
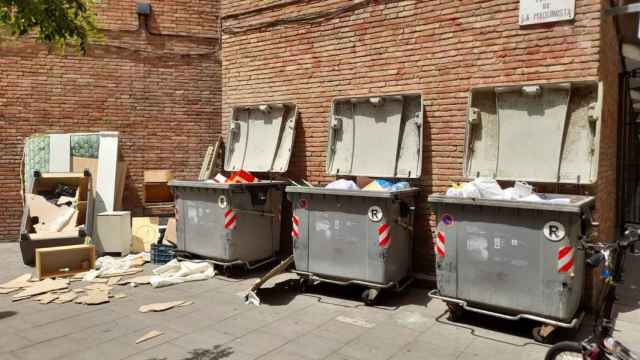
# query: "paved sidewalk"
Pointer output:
{"type": "Point", "coordinates": [329, 322]}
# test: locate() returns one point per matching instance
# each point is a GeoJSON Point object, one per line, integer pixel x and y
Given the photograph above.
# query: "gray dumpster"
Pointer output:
{"type": "Point", "coordinates": [240, 223]}
{"type": "Point", "coordinates": [522, 259]}
{"type": "Point", "coordinates": [355, 236]}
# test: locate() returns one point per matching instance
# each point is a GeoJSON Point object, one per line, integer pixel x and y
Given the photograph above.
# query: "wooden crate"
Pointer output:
{"type": "Point", "coordinates": [61, 261]}
{"type": "Point", "coordinates": [156, 188]}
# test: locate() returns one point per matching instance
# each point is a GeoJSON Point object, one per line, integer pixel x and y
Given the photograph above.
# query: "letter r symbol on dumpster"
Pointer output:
{"type": "Point", "coordinates": [375, 213]}
{"type": "Point", "coordinates": [554, 231]}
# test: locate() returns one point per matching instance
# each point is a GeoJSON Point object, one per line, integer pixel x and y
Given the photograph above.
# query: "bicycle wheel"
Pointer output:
{"type": "Point", "coordinates": [566, 350]}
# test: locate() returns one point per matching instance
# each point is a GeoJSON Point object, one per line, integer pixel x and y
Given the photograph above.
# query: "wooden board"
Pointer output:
{"type": "Point", "coordinates": [62, 261]}
{"type": "Point", "coordinates": [107, 171]}
{"type": "Point", "coordinates": [170, 235]}
{"type": "Point", "coordinates": [144, 231]}
{"type": "Point", "coordinates": [121, 179]}
{"type": "Point", "coordinates": [80, 164]}
{"type": "Point", "coordinates": [158, 176]}
{"type": "Point", "coordinates": [59, 152]}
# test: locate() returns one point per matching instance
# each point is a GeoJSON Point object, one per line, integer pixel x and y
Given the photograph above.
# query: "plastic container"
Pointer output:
{"type": "Point", "coordinates": [355, 236]}
{"type": "Point", "coordinates": [162, 254]}
{"type": "Point", "coordinates": [239, 223]}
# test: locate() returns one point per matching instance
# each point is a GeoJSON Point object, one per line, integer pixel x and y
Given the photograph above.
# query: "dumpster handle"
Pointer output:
{"type": "Point", "coordinates": [435, 294]}
{"type": "Point", "coordinates": [261, 213]}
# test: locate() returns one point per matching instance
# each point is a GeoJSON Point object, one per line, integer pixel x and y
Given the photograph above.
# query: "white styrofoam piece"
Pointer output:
{"type": "Point", "coordinates": [107, 171]}
{"type": "Point", "coordinates": [60, 153]}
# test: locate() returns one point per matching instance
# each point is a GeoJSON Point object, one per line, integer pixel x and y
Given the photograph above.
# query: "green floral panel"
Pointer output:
{"type": "Point", "coordinates": [37, 156]}
{"type": "Point", "coordinates": [86, 146]}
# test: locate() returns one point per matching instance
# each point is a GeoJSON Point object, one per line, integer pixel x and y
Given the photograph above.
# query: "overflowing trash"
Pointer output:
{"type": "Point", "coordinates": [375, 185]}
{"type": "Point", "coordinates": [488, 188]}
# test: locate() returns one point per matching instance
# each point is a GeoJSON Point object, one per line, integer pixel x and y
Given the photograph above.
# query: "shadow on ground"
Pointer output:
{"type": "Point", "coordinates": [7, 314]}
{"type": "Point", "coordinates": [217, 352]}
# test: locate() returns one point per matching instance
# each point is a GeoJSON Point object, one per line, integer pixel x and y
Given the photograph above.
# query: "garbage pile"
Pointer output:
{"type": "Point", "coordinates": [375, 185]}
{"type": "Point", "coordinates": [56, 211]}
{"type": "Point", "coordinates": [488, 188]}
{"type": "Point", "coordinates": [238, 177]}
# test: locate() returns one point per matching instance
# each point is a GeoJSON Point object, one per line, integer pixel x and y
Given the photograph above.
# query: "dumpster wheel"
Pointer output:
{"type": "Point", "coordinates": [543, 333]}
{"type": "Point", "coordinates": [369, 296]}
{"type": "Point", "coordinates": [456, 312]}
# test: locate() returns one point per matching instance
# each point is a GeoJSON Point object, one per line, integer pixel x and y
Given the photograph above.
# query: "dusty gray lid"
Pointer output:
{"type": "Point", "coordinates": [260, 138]}
{"type": "Point", "coordinates": [378, 136]}
{"type": "Point", "coordinates": [537, 133]}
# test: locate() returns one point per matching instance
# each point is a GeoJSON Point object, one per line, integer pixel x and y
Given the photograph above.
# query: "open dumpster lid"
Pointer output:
{"type": "Point", "coordinates": [260, 138]}
{"type": "Point", "coordinates": [378, 136]}
{"type": "Point", "coordinates": [538, 133]}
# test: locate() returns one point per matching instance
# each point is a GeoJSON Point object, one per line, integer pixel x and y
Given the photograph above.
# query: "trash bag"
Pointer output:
{"type": "Point", "coordinates": [488, 188]}
{"type": "Point", "coordinates": [343, 184]}
{"type": "Point", "coordinates": [379, 185]}
{"type": "Point", "coordinates": [402, 185]}
{"type": "Point", "coordinates": [469, 190]}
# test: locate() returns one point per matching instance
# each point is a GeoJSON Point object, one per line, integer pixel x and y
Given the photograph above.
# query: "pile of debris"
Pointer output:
{"type": "Point", "coordinates": [56, 211]}
{"type": "Point", "coordinates": [488, 188]}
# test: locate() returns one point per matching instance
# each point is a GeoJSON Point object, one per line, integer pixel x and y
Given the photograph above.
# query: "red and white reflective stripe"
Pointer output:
{"type": "Point", "coordinates": [565, 259]}
{"type": "Point", "coordinates": [440, 244]}
{"type": "Point", "coordinates": [384, 236]}
{"type": "Point", "coordinates": [295, 230]}
{"type": "Point", "coordinates": [230, 218]}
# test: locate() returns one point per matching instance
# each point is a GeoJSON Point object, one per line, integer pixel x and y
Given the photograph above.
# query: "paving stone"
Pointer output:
{"type": "Point", "coordinates": [369, 350]}
{"type": "Point", "coordinates": [312, 346]}
{"type": "Point", "coordinates": [453, 337]}
{"type": "Point", "coordinates": [50, 349]}
{"type": "Point", "coordinates": [413, 320]}
{"type": "Point", "coordinates": [482, 349]}
{"type": "Point", "coordinates": [389, 334]}
{"type": "Point", "coordinates": [338, 330]}
{"type": "Point", "coordinates": [70, 325]}
{"type": "Point", "coordinates": [12, 341]}
{"type": "Point", "coordinates": [419, 350]}
{"type": "Point", "coordinates": [290, 328]}
{"type": "Point", "coordinates": [258, 342]}
{"type": "Point", "coordinates": [204, 338]}
{"type": "Point", "coordinates": [163, 351]}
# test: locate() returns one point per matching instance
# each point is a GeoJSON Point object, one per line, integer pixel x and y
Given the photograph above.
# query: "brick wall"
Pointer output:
{"type": "Point", "coordinates": [439, 48]}
{"type": "Point", "coordinates": [162, 93]}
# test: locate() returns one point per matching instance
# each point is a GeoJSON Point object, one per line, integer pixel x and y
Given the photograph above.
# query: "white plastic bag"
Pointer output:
{"type": "Point", "coordinates": [521, 190]}
{"type": "Point", "coordinates": [469, 190]}
{"type": "Point", "coordinates": [488, 188]}
{"type": "Point", "coordinates": [343, 184]}
{"type": "Point", "coordinates": [454, 192]}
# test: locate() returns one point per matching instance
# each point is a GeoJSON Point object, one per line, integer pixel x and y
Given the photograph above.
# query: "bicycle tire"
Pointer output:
{"type": "Point", "coordinates": [563, 347]}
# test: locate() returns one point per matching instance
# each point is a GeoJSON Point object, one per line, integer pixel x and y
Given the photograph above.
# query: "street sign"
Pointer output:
{"type": "Point", "coordinates": [544, 11]}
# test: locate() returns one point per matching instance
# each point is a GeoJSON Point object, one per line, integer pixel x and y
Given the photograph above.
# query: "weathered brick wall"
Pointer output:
{"type": "Point", "coordinates": [439, 48]}
{"type": "Point", "coordinates": [162, 93]}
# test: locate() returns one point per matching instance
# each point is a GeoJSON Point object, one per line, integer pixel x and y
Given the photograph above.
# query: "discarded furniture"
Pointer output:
{"type": "Point", "coordinates": [45, 223]}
